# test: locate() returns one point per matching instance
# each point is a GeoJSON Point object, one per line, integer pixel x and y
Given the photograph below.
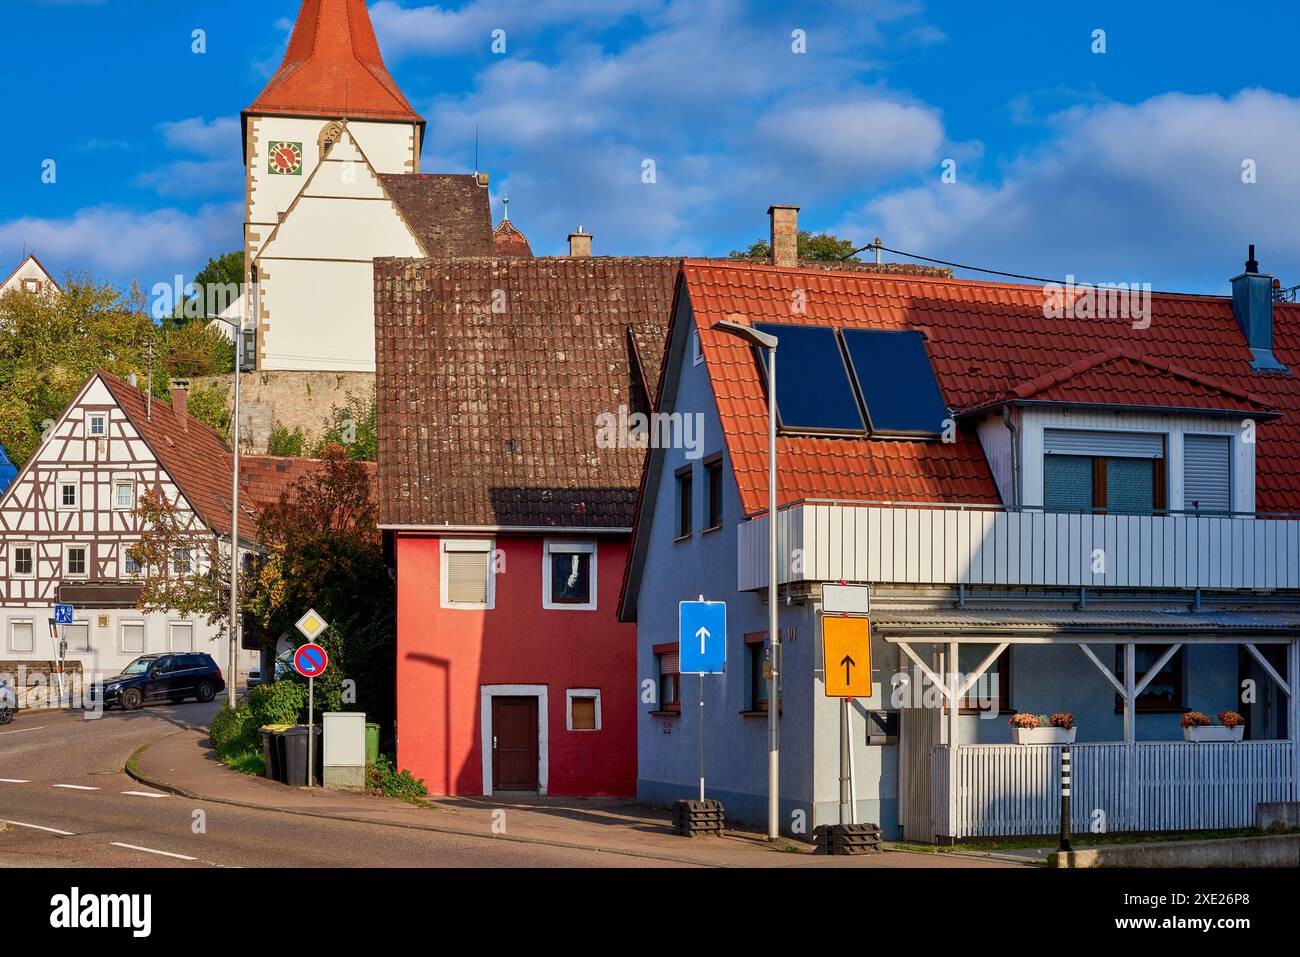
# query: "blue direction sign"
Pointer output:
{"type": "Point", "coordinates": [702, 637]}
{"type": "Point", "coordinates": [63, 614]}
{"type": "Point", "coordinates": [310, 661]}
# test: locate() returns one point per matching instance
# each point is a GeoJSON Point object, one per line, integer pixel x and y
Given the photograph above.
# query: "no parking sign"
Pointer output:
{"type": "Point", "coordinates": [310, 660]}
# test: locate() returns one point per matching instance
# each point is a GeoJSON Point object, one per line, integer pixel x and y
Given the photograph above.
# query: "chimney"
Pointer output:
{"type": "Point", "coordinates": [181, 401]}
{"type": "Point", "coordinates": [1252, 306]}
{"type": "Point", "coordinates": [785, 235]}
{"type": "Point", "coordinates": [579, 243]}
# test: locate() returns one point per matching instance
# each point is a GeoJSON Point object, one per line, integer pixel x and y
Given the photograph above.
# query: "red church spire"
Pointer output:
{"type": "Point", "coordinates": [333, 68]}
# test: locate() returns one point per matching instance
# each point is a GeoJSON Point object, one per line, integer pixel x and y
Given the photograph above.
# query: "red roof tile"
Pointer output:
{"type": "Point", "coordinates": [509, 241]}
{"type": "Point", "coordinates": [984, 340]}
{"type": "Point", "coordinates": [491, 375]}
{"type": "Point", "coordinates": [448, 212]}
{"type": "Point", "coordinates": [333, 68]}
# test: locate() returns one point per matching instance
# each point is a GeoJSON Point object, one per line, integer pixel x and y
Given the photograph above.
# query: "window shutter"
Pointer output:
{"type": "Point", "coordinates": [1207, 473]}
{"type": "Point", "coordinates": [23, 636]}
{"type": "Point", "coordinates": [584, 714]}
{"type": "Point", "coordinates": [1140, 445]}
{"type": "Point", "coordinates": [669, 663]}
{"type": "Point", "coordinates": [133, 639]}
{"type": "Point", "coordinates": [467, 582]}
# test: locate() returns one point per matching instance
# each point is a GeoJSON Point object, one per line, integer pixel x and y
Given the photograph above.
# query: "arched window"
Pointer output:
{"type": "Point", "coordinates": [328, 137]}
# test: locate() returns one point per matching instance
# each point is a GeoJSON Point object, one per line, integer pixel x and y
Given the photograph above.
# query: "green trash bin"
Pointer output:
{"type": "Point", "coordinates": [372, 743]}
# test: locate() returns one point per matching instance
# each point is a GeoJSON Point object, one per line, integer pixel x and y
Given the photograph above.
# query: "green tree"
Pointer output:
{"type": "Point", "coordinates": [284, 441]}
{"type": "Point", "coordinates": [354, 426]}
{"type": "Point", "coordinates": [818, 246]}
{"type": "Point", "coordinates": [50, 344]}
{"type": "Point", "coordinates": [219, 283]}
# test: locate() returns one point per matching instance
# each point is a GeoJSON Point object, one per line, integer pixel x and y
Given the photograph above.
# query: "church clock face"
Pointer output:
{"type": "Point", "coordinates": [286, 159]}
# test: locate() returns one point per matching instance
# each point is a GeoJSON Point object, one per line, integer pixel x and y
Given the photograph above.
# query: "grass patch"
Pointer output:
{"type": "Point", "coordinates": [1090, 840]}
{"type": "Point", "coordinates": [245, 762]}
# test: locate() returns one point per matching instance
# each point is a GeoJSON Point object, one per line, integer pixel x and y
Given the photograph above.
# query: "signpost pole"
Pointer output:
{"type": "Point", "coordinates": [311, 733]}
{"type": "Point", "coordinates": [701, 737]}
{"type": "Point", "coordinates": [844, 761]}
{"type": "Point", "coordinates": [853, 777]}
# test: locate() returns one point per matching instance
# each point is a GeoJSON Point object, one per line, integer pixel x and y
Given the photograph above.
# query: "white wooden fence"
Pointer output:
{"type": "Point", "coordinates": [1010, 789]}
{"type": "Point", "coordinates": [988, 546]}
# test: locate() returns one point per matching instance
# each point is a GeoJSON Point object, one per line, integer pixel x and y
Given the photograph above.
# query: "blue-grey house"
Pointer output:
{"type": "Point", "coordinates": [1073, 501]}
{"type": "Point", "coordinates": [8, 471]}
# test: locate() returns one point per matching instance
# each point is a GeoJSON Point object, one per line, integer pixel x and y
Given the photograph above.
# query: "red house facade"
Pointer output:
{"type": "Point", "coordinates": [509, 518]}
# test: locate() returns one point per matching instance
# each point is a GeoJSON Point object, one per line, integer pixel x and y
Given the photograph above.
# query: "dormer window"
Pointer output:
{"type": "Point", "coordinates": [1104, 472]}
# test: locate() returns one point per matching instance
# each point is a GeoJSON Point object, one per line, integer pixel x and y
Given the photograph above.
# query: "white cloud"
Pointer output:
{"type": "Point", "coordinates": [219, 137]}
{"type": "Point", "coordinates": [1149, 192]}
{"type": "Point", "coordinates": [109, 241]}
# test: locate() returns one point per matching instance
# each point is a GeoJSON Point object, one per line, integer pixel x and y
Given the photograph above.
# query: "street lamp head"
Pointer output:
{"type": "Point", "coordinates": [751, 335]}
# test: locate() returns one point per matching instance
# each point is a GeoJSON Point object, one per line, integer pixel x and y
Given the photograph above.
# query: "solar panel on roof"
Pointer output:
{"type": "Point", "coordinates": [813, 390]}
{"type": "Point", "coordinates": [897, 381]}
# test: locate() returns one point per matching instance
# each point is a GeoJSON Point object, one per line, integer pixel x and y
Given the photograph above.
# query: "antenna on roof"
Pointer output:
{"type": "Point", "coordinates": [476, 148]}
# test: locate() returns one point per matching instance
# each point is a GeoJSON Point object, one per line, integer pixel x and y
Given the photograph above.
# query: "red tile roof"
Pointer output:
{"type": "Point", "coordinates": [1120, 377]}
{"type": "Point", "coordinates": [509, 241]}
{"type": "Point", "coordinates": [193, 454]}
{"type": "Point", "coordinates": [984, 340]}
{"type": "Point", "coordinates": [333, 68]}
{"type": "Point", "coordinates": [491, 375]}
{"type": "Point", "coordinates": [448, 212]}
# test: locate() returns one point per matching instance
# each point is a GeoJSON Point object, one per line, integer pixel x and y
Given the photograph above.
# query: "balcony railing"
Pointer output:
{"type": "Point", "coordinates": [824, 540]}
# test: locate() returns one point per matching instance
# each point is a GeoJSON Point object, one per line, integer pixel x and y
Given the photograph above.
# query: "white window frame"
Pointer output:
{"type": "Point", "coordinates": [22, 621]}
{"type": "Point", "coordinates": [126, 572]}
{"type": "Point", "coordinates": [67, 561]}
{"type": "Point", "coordinates": [697, 348]}
{"type": "Point", "coordinates": [173, 624]}
{"type": "Point", "coordinates": [560, 547]}
{"type": "Point", "coordinates": [188, 554]}
{"type": "Point", "coordinates": [90, 634]}
{"type": "Point", "coordinates": [67, 479]}
{"type": "Point", "coordinates": [129, 484]}
{"type": "Point", "coordinates": [569, 695]}
{"type": "Point", "coordinates": [13, 561]}
{"type": "Point", "coordinates": [91, 419]}
{"type": "Point", "coordinates": [484, 545]}
{"type": "Point", "coordinates": [122, 626]}
{"type": "Point", "coordinates": [31, 286]}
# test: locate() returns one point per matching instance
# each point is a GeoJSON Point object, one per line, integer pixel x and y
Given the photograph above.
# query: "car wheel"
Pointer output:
{"type": "Point", "coordinates": [131, 699]}
{"type": "Point", "coordinates": [206, 691]}
{"type": "Point", "coordinates": [6, 715]}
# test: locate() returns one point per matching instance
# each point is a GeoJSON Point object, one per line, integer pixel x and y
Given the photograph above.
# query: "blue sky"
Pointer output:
{"type": "Point", "coordinates": [1119, 166]}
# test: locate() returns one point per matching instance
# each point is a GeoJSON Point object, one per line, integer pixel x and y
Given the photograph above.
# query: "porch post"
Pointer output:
{"type": "Point", "coordinates": [1293, 713]}
{"type": "Point", "coordinates": [1130, 736]}
{"type": "Point", "coordinates": [954, 706]}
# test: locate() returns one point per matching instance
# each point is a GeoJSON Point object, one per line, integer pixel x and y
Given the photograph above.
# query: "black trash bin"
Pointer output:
{"type": "Point", "coordinates": [295, 755]}
{"type": "Point", "coordinates": [273, 755]}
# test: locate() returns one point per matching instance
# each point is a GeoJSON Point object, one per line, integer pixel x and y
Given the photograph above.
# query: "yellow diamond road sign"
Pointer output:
{"type": "Point", "coordinates": [312, 624]}
{"type": "Point", "coordinates": [846, 645]}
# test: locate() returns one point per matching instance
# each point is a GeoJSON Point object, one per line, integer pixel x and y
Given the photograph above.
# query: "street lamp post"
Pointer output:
{"type": "Point", "coordinates": [232, 685]}
{"type": "Point", "coordinates": [767, 343]}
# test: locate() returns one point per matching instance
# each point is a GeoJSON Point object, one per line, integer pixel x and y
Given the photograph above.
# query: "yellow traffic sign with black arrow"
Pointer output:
{"type": "Point", "coordinates": [846, 647]}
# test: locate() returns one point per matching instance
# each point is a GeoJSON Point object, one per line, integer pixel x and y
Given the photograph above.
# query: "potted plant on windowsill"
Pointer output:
{"type": "Point", "coordinates": [1041, 729]}
{"type": "Point", "coordinates": [1197, 727]}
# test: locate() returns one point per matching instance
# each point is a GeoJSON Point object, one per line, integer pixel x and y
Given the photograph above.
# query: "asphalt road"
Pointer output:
{"type": "Point", "coordinates": [66, 802]}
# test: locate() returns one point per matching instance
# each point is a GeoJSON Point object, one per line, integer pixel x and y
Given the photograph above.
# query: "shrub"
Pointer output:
{"type": "Point", "coordinates": [383, 778]}
{"type": "Point", "coordinates": [279, 702]}
{"type": "Point", "coordinates": [284, 442]}
{"type": "Point", "coordinates": [233, 731]}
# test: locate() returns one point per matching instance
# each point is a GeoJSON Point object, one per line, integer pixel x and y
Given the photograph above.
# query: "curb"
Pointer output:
{"type": "Point", "coordinates": [142, 778]}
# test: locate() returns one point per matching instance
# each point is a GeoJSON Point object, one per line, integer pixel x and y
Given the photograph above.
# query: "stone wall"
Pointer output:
{"type": "Point", "coordinates": [290, 398]}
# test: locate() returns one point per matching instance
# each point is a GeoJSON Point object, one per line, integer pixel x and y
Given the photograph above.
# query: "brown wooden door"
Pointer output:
{"type": "Point", "coordinates": [514, 744]}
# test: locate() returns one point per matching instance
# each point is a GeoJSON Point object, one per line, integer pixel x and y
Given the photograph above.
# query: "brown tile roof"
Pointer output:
{"type": "Point", "coordinates": [448, 212]}
{"type": "Point", "coordinates": [489, 418]}
{"type": "Point", "coordinates": [264, 478]}
{"type": "Point", "coordinates": [509, 241]}
{"type": "Point", "coordinates": [193, 454]}
{"type": "Point", "coordinates": [333, 68]}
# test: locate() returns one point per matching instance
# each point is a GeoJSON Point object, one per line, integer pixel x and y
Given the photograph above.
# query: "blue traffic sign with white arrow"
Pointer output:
{"type": "Point", "coordinates": [702, 637]}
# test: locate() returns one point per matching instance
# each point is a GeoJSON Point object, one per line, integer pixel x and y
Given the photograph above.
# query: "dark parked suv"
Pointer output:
{"type": "Point", "coordinates": [170, 677]}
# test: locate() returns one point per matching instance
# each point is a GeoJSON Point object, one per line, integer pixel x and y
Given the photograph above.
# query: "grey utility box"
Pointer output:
{"type": "Point", "coordinates": [344, 764]}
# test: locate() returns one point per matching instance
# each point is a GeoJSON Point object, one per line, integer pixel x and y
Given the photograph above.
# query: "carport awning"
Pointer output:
{"type": "Point", "coordinates": [1101, 625]}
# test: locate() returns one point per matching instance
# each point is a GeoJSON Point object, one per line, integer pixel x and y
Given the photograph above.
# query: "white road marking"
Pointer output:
{"type": "Point", "coordinates": [39, 827]}
{"type": "Point", "coordinates": [14, 781]}
{"type": "Point", "coordinates": [146, 794]}
{"type": "Point", "coordinates": [76, 787]}
{"type": "Point", "coordinates": [150, 850]}
{"type": "Point", "coordinates": [22, 730]}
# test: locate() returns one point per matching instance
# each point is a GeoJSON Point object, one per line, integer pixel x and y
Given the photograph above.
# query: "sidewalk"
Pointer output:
{"type": "Point", "coordinates": [183, 764]}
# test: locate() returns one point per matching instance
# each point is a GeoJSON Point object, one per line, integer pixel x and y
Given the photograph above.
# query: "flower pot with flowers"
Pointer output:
{"type": "Point", "coordinates": [1198, 727]}
{"type": "Point", "coordinates": [1042, 729]}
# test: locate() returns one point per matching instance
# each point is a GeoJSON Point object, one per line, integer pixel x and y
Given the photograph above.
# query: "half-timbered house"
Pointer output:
{"type": "Point", "coordinates": [68, 520]}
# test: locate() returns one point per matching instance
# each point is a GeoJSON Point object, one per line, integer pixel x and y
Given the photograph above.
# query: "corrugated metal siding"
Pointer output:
{"type": "Point", "coordinates": [1140, 445]}
{"type": "Point", "coordinates": [1207, 473]}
